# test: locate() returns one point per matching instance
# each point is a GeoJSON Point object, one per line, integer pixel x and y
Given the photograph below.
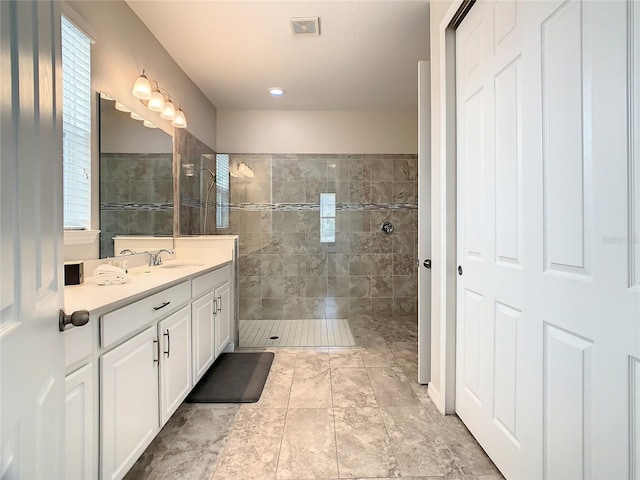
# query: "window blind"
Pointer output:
{"type": "Point", "coordinates": [76, 125]}
{"type": "Point", "coordinates": [222, 191]}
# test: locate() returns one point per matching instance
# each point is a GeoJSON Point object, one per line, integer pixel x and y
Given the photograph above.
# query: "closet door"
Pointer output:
{"type": "Point", "coordinates": [548, 336]}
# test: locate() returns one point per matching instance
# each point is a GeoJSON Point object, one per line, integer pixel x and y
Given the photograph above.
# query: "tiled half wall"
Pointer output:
{"type": "Point", "coordinates": [286, 272]}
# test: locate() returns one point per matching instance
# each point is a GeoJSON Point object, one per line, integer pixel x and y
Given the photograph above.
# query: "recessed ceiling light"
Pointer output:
{"type": "Point", "coordinates": [276, 91]}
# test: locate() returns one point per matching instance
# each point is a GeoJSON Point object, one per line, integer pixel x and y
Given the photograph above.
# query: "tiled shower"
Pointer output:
{"type": "Point", "coordinates": [301, 258]}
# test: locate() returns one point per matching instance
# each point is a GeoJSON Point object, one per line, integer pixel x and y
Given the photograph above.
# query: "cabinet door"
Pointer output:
{"type": "Point", "coordinates": [129, 403]}
{"type": "Point", "coordinates": [175, 361]}
{"type": "Point", "coordinates": [223, 317]}
{"type": "Point", "coordinates": [79, 419]}
{"type": "Point", "coordinates": [203, 335]}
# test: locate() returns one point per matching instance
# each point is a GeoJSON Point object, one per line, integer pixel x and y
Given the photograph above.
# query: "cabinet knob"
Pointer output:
{"type": "Point", "coordinates": [77, 319]}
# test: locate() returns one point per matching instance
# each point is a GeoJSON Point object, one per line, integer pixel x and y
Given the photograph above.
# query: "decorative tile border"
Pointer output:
{"type": "Point", "coordinates": [296, 207]}
{"type": "Point", "coordinates": [136, 206]}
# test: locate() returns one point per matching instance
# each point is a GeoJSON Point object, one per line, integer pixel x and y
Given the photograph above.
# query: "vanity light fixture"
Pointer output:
{"type": "Point", "coordinates": [169, 110]}
{"type": "Point", "coordinates": [159, 100]}
{"type": "Point", "coordinates": [148, 124]}
{"type": "Point", "coordinates": [120, 107]}
{"type": "Point", "coordinates": [135, 116]}
{"type": "Point", "coordinates": [142, 87]}
{"type": "Point", "coordinates": [179, 121]}
{"type": "Point", "coordinates": [156, 102]}
{"type": "Point", "coordinates": [276, 91]}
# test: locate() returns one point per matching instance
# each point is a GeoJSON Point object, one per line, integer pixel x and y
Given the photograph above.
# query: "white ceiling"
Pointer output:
{"type": "Point", "coordinates": [364, 59]}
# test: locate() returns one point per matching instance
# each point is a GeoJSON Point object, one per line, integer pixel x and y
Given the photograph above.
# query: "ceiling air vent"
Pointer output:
{"type": "Point", "coordinates": [307, 26]}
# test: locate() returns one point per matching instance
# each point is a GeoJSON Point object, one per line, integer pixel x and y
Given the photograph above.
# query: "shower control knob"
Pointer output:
{"type": "Point", "coordinates": [427, 263]}
{"type": "Point", "coordinates": [386, 227]}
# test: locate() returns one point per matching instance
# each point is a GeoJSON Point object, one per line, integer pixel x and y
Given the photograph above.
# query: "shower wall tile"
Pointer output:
{"type": "Point", "coordinates": [272, 308]}
{"type": "Point", "coordinates": [338, 286]}
{"type": "Point", "coordinates": [250, 287]}
{"type": "Point", "coordinates": [294, 287]}
{"type": "Point", "coordinates": [272, 265]}
{"type": "Point", "coordinates": [294, 265]}
{"type": "Point", "coordinates": [316, 287]}
{"type": "Point", "coordinates": [285, 269]}
{"type": "Point", "coordinates": [272, 287]}
{"type": "Point", "coordinates": [360, 264]}
{"type": "Point", "coordinates": [294, 308]}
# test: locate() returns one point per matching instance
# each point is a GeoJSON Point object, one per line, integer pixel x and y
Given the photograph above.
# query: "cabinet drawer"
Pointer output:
{"type": "Point", "coordinates": [207, 282]}
{"type": "Point", "coordinates": [126, 320]}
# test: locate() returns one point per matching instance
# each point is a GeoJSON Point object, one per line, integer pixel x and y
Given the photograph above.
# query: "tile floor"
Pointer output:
{"type": "Point", "coordinates": [325, 413]}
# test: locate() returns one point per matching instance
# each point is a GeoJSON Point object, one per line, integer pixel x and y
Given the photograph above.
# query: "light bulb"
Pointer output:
{"type": "Point", "coordinates": [156, 102]}
{"type": "Point", "coordinates": [179, 121]}
{"type": "Point", "coordinates": [142, 88]}
{"type": "Point", "coordinates": [276, 91]}
{"type": "Point", "coordinates": [169, 110]}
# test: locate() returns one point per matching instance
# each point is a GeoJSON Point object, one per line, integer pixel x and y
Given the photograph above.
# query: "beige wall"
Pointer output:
{"type": "Point", "coordinates": [439, 279]}
{"type": "Point", "coordinates": [124, 46]}
{"type": "Point", "coordinates": [272, 131]}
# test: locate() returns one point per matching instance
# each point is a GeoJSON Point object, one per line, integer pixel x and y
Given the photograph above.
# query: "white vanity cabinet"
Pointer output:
{"type": "Point", "coordinates": [174, 333]}
{"type": "Point", "coordinates": [131, 367]}
{"type": "Point", "coordinates": [128, 402]}
{"type": "Point", "coordinates": [223, 318]}
{"type": "Point", "coordinates": [80, 404]}
{"type": "Point", "coordinates": [211, 318]}
{"type": "Point", "coordinates": [203, 333]}
{"type": "Point", "coordinates": [79, 423]}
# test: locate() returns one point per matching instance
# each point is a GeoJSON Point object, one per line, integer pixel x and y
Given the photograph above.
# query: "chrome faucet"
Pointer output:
{"type": "Point", "coordinates": [155, 258]}
{"type": "Point", "coordinates": [128, 251]}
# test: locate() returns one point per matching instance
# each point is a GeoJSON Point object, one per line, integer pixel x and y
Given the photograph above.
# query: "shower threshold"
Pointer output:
{"type": "Point", "coordinates": [296, 333]}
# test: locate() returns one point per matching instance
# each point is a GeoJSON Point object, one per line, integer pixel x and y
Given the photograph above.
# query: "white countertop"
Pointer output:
{"type": "Point", "coordinates": [141, 281]}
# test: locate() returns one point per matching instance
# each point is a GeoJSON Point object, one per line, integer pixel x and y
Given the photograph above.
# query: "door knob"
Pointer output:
{"type": "Point", "coordinates": [427, 263]}
{"type": "Point", "coordinates": [459, 270]}
{"type": "Point", "coordinates": [77, 319]}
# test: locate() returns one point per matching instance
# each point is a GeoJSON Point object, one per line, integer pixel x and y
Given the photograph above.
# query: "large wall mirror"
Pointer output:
{"type": "Point", "coordinates": [136, 177]}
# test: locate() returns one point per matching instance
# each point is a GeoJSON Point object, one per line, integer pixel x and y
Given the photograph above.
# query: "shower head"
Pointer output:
{"type": "Point", "coordinates": [212, 178]}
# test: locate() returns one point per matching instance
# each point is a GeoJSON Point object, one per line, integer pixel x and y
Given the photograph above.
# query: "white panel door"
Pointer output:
{"type": "Point", "coordinates": [175, 361]}
{"type": "Point", "coordinates": [31, 347]}
{"type": "Point", "coordinates": [548, 320]}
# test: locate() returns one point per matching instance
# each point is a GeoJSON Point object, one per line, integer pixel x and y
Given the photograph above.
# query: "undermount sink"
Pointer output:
{"type": "Point", "coordinates": [181, 265]}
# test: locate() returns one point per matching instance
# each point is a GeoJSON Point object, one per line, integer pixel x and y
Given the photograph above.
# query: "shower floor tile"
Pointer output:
{"type": "Point", "coordinates": [296, 333]}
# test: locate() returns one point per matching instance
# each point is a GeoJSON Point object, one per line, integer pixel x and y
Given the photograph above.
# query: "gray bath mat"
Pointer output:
{"type": "Point", "coordinates": [233, 378]}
